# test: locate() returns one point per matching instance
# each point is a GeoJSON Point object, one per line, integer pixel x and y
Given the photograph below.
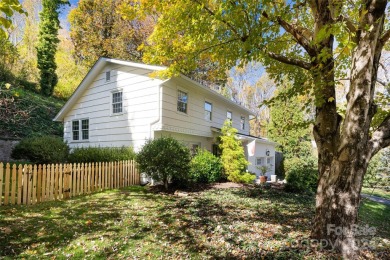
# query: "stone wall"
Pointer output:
{"type": "Point", "coordinates": [6, 147]}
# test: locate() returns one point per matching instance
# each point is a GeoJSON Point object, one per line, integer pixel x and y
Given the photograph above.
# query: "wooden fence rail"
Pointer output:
{"type": "Point", "coordinates": [31, 184]}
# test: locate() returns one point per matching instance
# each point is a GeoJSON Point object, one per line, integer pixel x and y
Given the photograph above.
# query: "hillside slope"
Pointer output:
{"type": "Point", "coordinates": [25, 113]}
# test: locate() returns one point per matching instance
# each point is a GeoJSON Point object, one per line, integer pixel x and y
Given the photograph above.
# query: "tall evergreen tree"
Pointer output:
{"type": "Point", "coordinates": [47, 44]}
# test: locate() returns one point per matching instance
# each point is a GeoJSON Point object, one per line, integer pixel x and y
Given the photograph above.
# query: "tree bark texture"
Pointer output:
{"type": "Point", "coordinates": [344, 145]}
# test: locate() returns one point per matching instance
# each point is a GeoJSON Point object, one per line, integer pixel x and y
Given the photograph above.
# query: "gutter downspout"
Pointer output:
{"type": "Point", "coordinates": [151, 133]}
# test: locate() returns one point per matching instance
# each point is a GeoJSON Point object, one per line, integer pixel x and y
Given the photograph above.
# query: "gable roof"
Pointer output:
{"type": "Point", "coordinates": [101, 63]}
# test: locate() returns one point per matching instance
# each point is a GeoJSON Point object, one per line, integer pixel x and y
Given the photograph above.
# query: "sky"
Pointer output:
{"type": "Point", "coordinates": [64, 14]}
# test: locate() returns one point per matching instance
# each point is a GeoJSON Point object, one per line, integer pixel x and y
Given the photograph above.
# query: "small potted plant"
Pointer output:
{"type": "Point", "coordinates": [263, 170]}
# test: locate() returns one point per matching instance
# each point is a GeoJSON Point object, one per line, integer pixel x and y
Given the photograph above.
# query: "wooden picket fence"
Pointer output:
{"type": "Point", "coordinates": [31, 184]}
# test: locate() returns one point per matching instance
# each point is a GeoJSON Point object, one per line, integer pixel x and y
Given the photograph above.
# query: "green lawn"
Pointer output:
{"type": "Point", "coordinates": [377, 192]}
{"type": "Point", "coordinates": [136, 223]}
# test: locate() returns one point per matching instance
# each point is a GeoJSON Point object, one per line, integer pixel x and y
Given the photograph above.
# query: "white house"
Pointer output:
{"type": "Point", "coordinates": [119, 104]}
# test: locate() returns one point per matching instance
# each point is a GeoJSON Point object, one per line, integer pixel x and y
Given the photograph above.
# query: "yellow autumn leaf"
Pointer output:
{"type": "Point", "coordinates": [331, 99]}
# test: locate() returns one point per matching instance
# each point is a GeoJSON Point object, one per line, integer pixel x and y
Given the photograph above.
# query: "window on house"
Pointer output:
{"type": "Point", "coordinates": [260, 161]}
{"type": "Point", "coordinates": [216, 150]}
{"type": "Point", "coordinates": [80, 129]}
{"type": "Point", "coordinates": [269, 160]}
{"type": "Point", "coordinates": [182, 101]}
{"type": "Point", "coordinates": [108, 75]}
{"type": "Point", "coordinates": [85, 129]}
{"type": "Point", "coordinates": [242, 122]}
{"type": "Point", "coordinates": [76, 130]}
{"type": "Point", "coordinates": [117, 104]}
{"type": "Point", "coordinates": [208, 107]}
{"type": "Point", "coordinates": [194, 149]}
{"type": "Point", "coordinates": [229, 115]}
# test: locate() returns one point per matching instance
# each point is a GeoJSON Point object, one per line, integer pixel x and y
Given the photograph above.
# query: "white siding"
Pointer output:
{"type": "Point", "coordinates": [260, 151]}
{"type": "Point", "coordinates": [140, 109]}
{"type": "Point", "coordinates": [194, 122]}
{"type": "Point", "coordinates": [188, 140]}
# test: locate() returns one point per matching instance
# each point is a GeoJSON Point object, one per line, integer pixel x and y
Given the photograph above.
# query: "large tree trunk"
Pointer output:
{"type": "Point", "coordinates": [344, 150]}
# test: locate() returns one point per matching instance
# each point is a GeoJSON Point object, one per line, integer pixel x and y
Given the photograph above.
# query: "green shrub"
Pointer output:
{"type": "Point", "coordinates": [233, 156]}
{"type": "Point", "coordinates": [165, 159]}
{"type": "Point", "coordinates": [43, 149]}
{"type": "Point", "coordinates": [205, 167]}
{"type": "Point", "coordinates": [301, 175]}
{"type": "Point", "coordinates": [101, 154]}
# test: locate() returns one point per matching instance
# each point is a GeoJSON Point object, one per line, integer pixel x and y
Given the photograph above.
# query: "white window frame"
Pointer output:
{"type": "Point", "coordinates": [208, 115]}
{"type": "Point", "coordinates": [262, 161]}
{"type": "Point", "coordinates": [269, 160]}
{"type": "Point", "coordinates": [242, 122]}
{"type": "Point", "coordinates": [231, 115]}
{"type": "Point", "coordinates": [119, 102]}
{"type": "Point", "coordinates": [179, 101]}
{"type": "Point", "coordinates": [80, 130]}
{"type": "Point", "coordinates": [265, 161]}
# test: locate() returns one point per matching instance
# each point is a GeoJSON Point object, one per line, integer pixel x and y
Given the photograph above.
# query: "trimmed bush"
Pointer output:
{"type": "Point", "coordinates": [101, 154]}
{"type": "Point", "coordinates": [165, 160]}
{"type": "Point", "coordinates": [205, 167]}
{"type": "Point", "coordinates": [43, 149]}
{"type": "Point", "coordinates": [301, 175]}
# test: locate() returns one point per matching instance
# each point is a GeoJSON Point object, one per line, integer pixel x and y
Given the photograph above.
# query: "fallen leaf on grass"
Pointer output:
{"type": "Point", "coordinates": [5, 230]}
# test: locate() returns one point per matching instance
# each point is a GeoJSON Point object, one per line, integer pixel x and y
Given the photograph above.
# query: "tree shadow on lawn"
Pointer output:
{"type": "Point", "coordinates": [228, 224]}
{"type": "Point", "coordinates": [222, 227]}
{"type": "Point", "coordinates": [51, 226]}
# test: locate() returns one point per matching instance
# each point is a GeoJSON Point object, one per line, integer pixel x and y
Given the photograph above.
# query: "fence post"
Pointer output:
{"type": "Point", "coordinates": [39, 184]}
{"type": "Point", "coordinates": [93, 177]}
{"type": "Point", "coordinates": [20, 184]}
{"type": "Point", "coordinates": [30, 184]}
{"type": "Point", "coordinates": [1, 181]}
{"type": "Point", "coordinates": [34, 189]}
{"type": "Point", "coordinates": [44, 177]}
{"type": "Point", "coordinates": [13, 185]}
{"type": "Point", "coordinates": [60, 181]}
{"type": "Point", "coordinates": [7, 181]}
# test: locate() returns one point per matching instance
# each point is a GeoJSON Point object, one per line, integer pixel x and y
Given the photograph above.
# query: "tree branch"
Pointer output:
{"type": "Point", "coordinates": [212, 13]}
{"type": "Point", "coordinates": [380, 138]}
{"type": "Point", "coordinates": [385, 37]}
{"type": "Point", "coordinates": [301, 35]}
{"type": "Point", "coordinates": [350, 25]}
{"type": "Point", "coordinates": [291, 61]}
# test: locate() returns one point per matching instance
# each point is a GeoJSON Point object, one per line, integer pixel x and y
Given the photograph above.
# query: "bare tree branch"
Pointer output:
{"type": "Point", "coordinates": [385, 69]}
{"type": "Point", "coordinates": [291, 61]}
{"type": "Point", "coordinates": [380, 138]}
{"type": "Point", "coordinates": [383, 83]}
